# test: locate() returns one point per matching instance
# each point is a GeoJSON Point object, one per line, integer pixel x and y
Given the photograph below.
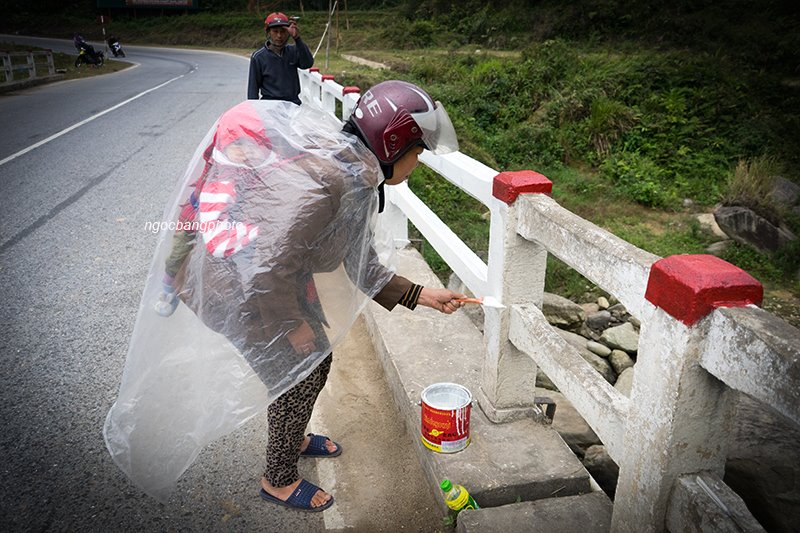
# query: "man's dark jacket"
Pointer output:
{"type": "Point", "coordinates": [275, 76]}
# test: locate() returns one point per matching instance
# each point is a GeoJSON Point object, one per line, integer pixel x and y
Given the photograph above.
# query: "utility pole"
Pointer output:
{"type": "Point", "coordinates": [102, 21]}
{"type": "Point", "coordinates": [328, 44]}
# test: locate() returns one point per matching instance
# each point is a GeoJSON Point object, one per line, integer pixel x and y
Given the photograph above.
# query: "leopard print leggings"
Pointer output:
{"type": "Point", "coordinates": [288, 417]}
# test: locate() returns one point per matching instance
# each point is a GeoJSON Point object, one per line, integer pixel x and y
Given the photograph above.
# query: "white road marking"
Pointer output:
{"type": "Point", "coordinates": [85, 121]}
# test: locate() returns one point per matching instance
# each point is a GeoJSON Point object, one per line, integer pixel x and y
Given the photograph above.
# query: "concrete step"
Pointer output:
{"type": "Point", "coordinates": [505, 463]}
{"type": "Point", "coordinates": [588, 513]}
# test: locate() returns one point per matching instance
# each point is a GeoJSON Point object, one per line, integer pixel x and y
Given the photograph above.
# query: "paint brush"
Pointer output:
{"type": "Point", "coordinates": [488, 301]}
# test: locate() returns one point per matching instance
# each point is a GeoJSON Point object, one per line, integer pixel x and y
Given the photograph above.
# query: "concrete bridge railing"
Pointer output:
{"type": "Point", "coordinates": [702, 337]}
{"type": "Point", "coordinates": [33, 64]}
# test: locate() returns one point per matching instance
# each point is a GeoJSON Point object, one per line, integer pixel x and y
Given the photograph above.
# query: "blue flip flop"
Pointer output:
{"type": "Point", "coordinates": [317, 448]}
{"type": "Point", "coordinates": [300, 499]}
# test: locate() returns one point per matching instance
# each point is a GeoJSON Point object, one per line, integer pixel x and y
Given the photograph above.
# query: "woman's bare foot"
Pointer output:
{"type": "Point", "coordinates": [328, 444]}
{"type": "Point", "coordinates": [283, 493]}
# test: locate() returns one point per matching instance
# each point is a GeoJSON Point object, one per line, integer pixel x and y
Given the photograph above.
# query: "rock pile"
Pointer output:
{"type": "Point", "coordinates": [603, 332]}
{"type": "Point", "coordinates": [763, 465]}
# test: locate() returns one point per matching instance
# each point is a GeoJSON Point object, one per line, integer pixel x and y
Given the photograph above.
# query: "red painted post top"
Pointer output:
{"type": "Point", "coordinates": [688, 287]}
{"type": "Point", "coordinates": [508, 185]}
{"type": "Point", "coordinates": [313, 69]}
{"type": "Point", "coordinates": [327, 77]}
{"type": "Point", "coordinates": [350, 89]}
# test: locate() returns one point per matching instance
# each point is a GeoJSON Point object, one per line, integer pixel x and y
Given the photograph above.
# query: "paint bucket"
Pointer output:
{"type": "Point", "coordinates": [445, 417]}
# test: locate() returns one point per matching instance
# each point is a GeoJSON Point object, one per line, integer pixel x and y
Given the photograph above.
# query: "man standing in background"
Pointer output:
{"type": "Point", "coordinates": [273, 67]}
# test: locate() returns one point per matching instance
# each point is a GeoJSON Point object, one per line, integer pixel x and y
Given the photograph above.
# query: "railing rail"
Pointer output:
{"type": "Point", "coordinates": [35, 62]}
{"type": "Point", "coordinates": [602, 406]}
{"type": "Point", "coordinates": [701, 339]}
{"type": "Point", "coordinates": [753, 352]}
{"type": "Point", "coordinates": [613, 264]}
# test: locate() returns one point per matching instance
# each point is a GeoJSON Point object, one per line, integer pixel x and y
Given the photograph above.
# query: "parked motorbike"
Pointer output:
{"type": "Point", "coordinates": [116, 48]}
{"type": "Point", "coordinates": [86, 57]}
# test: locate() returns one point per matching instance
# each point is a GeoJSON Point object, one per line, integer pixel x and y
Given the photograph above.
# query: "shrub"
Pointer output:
{"type": "Point", "coordinates": [607, 121]}
{"type": "Point", "coordinates": [638, 178]}
{"type": "Point", "coordinates": [527, 144]}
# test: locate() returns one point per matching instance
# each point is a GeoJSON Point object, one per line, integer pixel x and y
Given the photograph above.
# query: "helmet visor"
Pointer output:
{"type": "Point", "coordinates": [438, 132]}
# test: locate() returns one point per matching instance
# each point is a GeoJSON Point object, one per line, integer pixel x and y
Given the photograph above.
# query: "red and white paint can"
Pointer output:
{"type": "Point", "coordinates": [446, 409]}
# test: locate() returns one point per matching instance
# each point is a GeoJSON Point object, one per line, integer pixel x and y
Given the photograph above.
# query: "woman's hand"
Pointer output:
{"type": "Point", "coordinates": [443, 300]}
{"type": "Point", "coordinates": [302, 339]}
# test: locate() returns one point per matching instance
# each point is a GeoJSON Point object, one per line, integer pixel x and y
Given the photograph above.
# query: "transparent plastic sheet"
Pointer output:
{"type": "Point", "coordinates": [279, 235]}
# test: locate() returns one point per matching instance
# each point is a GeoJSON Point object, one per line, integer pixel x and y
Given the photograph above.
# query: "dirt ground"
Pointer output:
{"type": "Point", "coordinates": [378, 482]}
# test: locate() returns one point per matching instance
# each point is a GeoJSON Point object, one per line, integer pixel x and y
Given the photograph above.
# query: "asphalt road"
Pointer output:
{"type": "Point", "coordinates": [84, 165]}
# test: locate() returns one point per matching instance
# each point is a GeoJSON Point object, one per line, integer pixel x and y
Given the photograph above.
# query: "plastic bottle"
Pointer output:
{"type": "Point", "coordinates": [456, 497]}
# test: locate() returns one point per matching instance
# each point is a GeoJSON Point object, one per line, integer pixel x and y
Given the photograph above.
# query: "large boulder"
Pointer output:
{"type": "Point", "coordinates": [620, 361]}
{"type": "Point", "coordinates": [624, 382]}
{"type": "Point", "coordinates": [597, 362]}
{"type": "Point", "coordinates": [763, 465]}
{"type": "Point", "coordinates": [785, 193]}
{"type": "Point", "coordinates": [561, 312]}
{"type": "Point", "coordinates": [708, 223]}
{"type": "Point", "coordinates": [622, 337]}
{"type": "Point", "coordinates": [598, 321]}
{"type": "Point", "coordinates": [745, 226]}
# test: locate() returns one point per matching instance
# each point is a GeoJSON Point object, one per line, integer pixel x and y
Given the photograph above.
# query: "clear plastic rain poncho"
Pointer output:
{"type": "Point", "coordinates": [272, 229]}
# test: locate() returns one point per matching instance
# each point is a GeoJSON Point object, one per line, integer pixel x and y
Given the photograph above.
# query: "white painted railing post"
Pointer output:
{"type": "Point", "coordinates": [311, 83]}
{"type": "Point", "coordinates": [680, 415]}
{"type": "Point", "coordinates": [328, 98]}
{"type": "Point", "coordinates": [516, 275]}
{"type": "Point", "coordinates": [31, 66]}
{"type": "Point", "coordinates": [350, 96]}
{"type": "Point", "coordinates": [7, 70]}
{"type": "Point", "coordinates": [51, 67]}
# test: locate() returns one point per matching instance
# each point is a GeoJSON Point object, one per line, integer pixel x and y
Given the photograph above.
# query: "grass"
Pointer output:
{"type": "Point", "coordinates": [751, 186]}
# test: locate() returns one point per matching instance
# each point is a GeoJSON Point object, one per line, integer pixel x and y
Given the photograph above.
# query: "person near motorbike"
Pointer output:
{"type": "Point", "coordinates": [115, 47]}
{"type": "Point", "coordinates": [82, 46]}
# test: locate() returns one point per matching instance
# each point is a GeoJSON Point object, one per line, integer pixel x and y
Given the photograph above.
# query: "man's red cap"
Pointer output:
{"type": "Point", "coordinates": [275, 20]}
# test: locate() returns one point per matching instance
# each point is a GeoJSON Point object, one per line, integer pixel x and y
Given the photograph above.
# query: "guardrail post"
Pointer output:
{"type": "Point", "coordinates": [328, 99]}
{"type": "Point", "coordinates": [51, 67]}
{"type": "Point", "coordinates": [516, 269]}
{"type": "Point", "coordinates": [680, 415]}
{"type": "Point", "coordinates": [31, 66]}
{"type": "Point", "coordinates": [7, 70]}
{"type": "Point", "coordinates": [350, 96]}
{"type": "Point", "coordinates": [311, 84]}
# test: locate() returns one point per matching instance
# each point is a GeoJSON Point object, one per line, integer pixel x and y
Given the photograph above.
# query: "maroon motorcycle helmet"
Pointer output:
{"type": "Point", "coordinates": [394, 116]}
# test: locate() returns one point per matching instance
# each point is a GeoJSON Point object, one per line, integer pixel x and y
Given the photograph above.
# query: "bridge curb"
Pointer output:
{"type": "Point", "coordinates": [521, 460]}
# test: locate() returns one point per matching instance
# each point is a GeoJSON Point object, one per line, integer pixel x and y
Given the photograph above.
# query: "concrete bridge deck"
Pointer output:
{"type": "Point", "coordinates": [506, 466]}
